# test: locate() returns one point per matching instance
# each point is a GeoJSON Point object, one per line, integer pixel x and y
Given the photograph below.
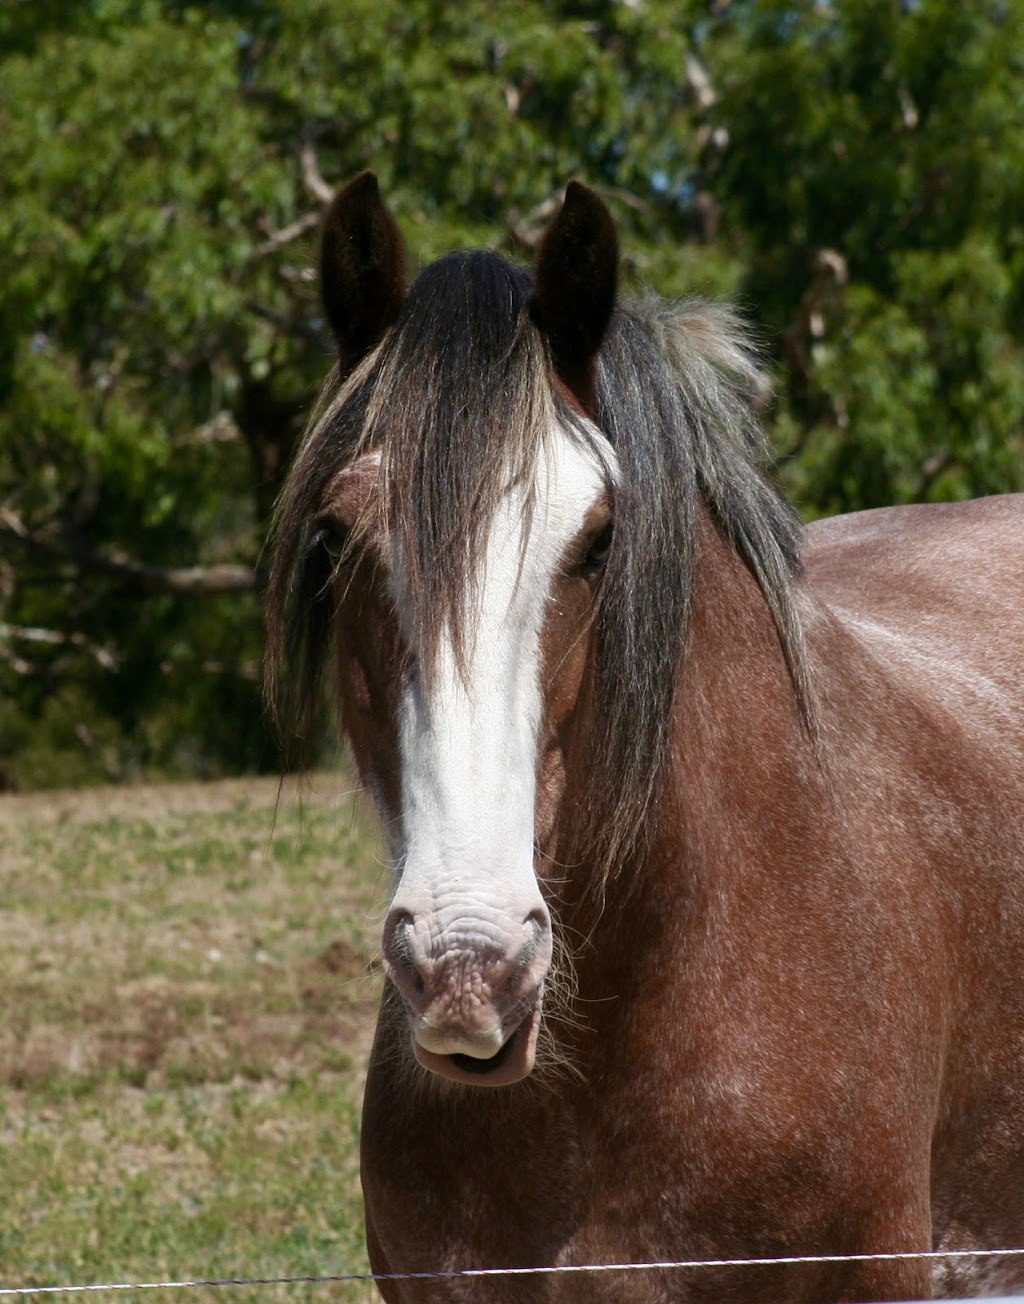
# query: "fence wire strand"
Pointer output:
{"type": "Point", "coordinates": [659, 1266]}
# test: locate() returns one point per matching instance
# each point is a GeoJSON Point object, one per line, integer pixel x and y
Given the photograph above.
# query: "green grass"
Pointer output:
{"type": "Point", "coordinates": [187, 995]}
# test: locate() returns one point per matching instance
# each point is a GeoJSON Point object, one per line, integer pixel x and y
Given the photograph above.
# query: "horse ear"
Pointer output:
{"type": "Point", "coordinates": [362, 268]}
{"type": "Point", "coordinates": [574, 294]}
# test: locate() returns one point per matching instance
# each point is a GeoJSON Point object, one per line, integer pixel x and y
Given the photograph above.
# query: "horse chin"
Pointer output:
{"type": "Point", "coordinates": [513, 1062]}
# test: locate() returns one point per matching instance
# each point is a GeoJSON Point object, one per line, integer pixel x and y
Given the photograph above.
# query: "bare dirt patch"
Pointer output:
{"type": "Point", "coordinates": [193, 932]}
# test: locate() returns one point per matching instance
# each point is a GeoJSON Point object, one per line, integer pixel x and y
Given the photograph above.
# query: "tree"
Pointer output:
{"type": "Point", "coordinates": [130, 234]}
{"type": "Point", "coordinates": [849, 170]}
{"type": "Point", "coordinates": [875, 172]}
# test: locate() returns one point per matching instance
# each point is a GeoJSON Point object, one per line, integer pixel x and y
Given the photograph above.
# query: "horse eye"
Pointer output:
{"type": "Point", "coordinates": [330, 536]}
{"type": "Point", "coordinates": [597, 554]}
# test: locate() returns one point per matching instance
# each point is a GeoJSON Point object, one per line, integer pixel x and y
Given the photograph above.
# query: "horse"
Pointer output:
{"type": "Point", "coordinates": [707, 931]}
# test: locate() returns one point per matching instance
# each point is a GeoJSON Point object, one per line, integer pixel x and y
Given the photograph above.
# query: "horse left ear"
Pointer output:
{"type": "Point", "coordinates": [362, 269]}
{"type": "Point", "coordinates": [574, 294]}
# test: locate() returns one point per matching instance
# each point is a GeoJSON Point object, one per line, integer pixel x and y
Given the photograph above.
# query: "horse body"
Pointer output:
{"type": "Point", "coordinates": [792, 1021]}
{"type": "Point", "coordinates": [774, 1063]}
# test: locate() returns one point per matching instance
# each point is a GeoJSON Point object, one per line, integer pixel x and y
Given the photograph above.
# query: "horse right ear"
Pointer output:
{"type": "Point", "coordinates": [362, 269]}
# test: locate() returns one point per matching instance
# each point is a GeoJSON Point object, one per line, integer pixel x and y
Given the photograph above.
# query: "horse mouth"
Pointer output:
{"type": "Point", "coordinates": [469, 1064]}
{"type": "Point", "coordinates": [513, 1062]}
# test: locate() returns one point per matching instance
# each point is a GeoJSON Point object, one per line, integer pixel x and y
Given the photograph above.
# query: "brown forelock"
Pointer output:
{"type": "Point", "coordinates": [371, 662]}
{"type": "Point", "coordinates": [460, 411]}
{"type": "Point", "coordinates": [370, 654]}
{"type": "Point", "coordinates": [457, 402]}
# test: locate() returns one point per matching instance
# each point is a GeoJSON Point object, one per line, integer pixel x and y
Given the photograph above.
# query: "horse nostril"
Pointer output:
{"type": "Point", "coordinates": [539, 919]}
{"type": "Point", "coordinates": [539, 923]}
{"type": "Point", "coordinates": [399, 949]}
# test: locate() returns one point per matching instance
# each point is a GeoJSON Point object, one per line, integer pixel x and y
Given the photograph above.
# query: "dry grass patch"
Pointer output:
{"type": "Point", "coordinates": [186, 999]}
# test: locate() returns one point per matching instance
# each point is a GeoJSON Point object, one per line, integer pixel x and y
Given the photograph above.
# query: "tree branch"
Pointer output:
{"type": "Point", "coordinates": [308, 222]}
{"type": "Point", "coordinates": [528, 230]}
{"type": "Point", "coordinates": [931, 468]}
{"type": "Point", "coordinates": [313, 181]}
{"type": "Point", "coordinates": [184, 581]}
{"type": "Point", "coordinates": [54, 638]}
{"type": "Point", "coordinates": [135, 576]}
{"type": "Point", "coordinates": [698, 81]}
{"type": "Point", "coordinates": [828, 278]}
{"type": "Point", "coordinates": [220, 429]}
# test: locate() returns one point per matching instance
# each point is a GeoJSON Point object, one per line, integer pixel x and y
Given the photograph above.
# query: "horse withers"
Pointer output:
{"type": "Point", "coordinates": [707, 937]}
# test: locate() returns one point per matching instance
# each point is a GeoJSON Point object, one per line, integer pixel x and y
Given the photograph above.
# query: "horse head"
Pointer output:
{"type": "Point", "coordinates": [462, 520]}
{"type": "Point", "coordinates": [493, 520]}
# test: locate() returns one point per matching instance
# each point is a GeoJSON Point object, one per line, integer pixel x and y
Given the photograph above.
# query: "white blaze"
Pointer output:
{"type": "Point", "coordinates": [469, 753]}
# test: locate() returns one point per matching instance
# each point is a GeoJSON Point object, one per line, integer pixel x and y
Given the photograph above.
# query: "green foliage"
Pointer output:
{"type": "Point", "coordinates": [851, 172]}
{"type": "Point", "coordinates": [893, 134]}
{"type": "Point", "coordinates": [135, 182]}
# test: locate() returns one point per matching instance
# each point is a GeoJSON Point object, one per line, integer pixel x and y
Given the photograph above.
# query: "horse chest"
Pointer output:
{"type": "Point", "coordinates": [518, 1187]}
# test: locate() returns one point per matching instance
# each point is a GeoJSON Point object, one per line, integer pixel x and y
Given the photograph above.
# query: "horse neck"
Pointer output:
{"type": "Point", "coordinates": [738, 733]}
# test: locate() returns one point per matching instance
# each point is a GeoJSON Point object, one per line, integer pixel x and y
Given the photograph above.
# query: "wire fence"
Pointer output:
{"type": "Point", "coordinates": [561, 1269]}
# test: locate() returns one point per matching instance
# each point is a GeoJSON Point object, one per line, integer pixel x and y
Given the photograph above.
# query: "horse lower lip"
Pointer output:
{"type": "Point", "coordinates": [513, 1062]}
{"type": "Point", "coordinates": [470, 1064]}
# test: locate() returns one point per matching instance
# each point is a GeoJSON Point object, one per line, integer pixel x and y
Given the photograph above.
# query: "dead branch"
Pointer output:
{"type": "Point", "coordinates": [698, 81]}
{"type": "Point", "coordinates": [185, 581]}
{"type": "Point", "coordinates": [135, 576]}
{"type": "Point", "coordinates": [528, 230]}
{"type": "Point", "coordinates": [311, 177]}
{"type": "Point", "coordinates": [931, 468]}
{"type": "Point", "coordinates": [308, 222]}
{"type": "Point", "coordinates": [626, 197]}
{"type": "Point", "coordinates": [220, 429]}
{"type": "Point", "coordinates": [828, 278]}
{"type": "Point", "coordinates": [103, 657]}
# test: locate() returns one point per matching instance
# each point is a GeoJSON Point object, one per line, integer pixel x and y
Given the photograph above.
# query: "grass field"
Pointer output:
{"type": "Point", "coordinates": [186, 1001]}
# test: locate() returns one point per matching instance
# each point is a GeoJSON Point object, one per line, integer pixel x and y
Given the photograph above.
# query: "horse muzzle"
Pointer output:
{"type": "Point", "coordinates": [472, 987]}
